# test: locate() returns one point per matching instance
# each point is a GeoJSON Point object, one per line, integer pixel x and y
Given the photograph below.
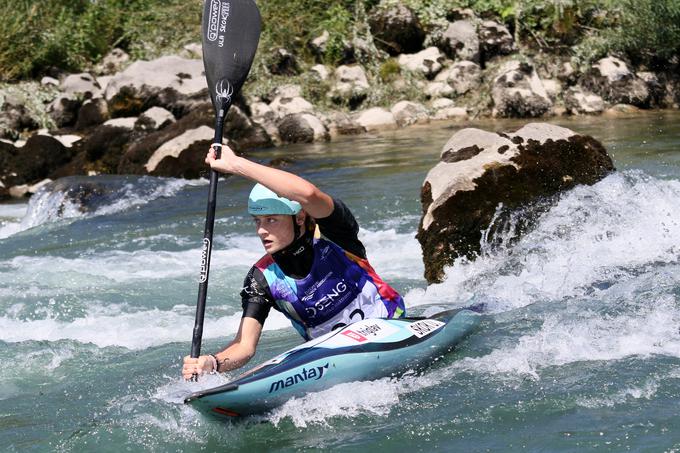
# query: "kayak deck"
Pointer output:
{"type": "Point", "coordinates": [365, 350]}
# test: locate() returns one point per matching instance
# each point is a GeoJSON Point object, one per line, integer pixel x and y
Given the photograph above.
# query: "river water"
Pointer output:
{"type": "Point", "coordinates": [580, 349]}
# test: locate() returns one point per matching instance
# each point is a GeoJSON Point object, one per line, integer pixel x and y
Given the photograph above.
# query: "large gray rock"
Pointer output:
{"type": "Point", "coordinates": [174, 83]}
{"type": "Point", "coordinates": [82, 86]}
{"type": "Point", "coordinates": [495, 39]}
{"type": "Point", "coordinates": [655, 87]}
{"type": "Point", "coordinates": [93, 112]}
{"type": "Point", "coordinates": [553, 88]}
{"type": "Point", "coordinates": [397, 29]}
{"type": "Point", "coordinates": [243, 132]}
{"type": "Point", "coordinates": [340, 123]}
{"type": "Point", "coordinates": [63, 110]}
{"type": "Point", "coordinates": [113, 62]}
{"type": "Point", "coordinates": [612, 79]}
{"type": "Point", "coordinates": [7, 154]}
{"type": "Point", "coordinates": [436, 89]}
{"type": "Point", "coordinates": [428, 62]}
{"type": "Point", "coordinates": [153, 119]}
{"type": "Point", "coordinates": [127, 122]}
{"type": "Point", "coordinates": [579, 102]}
{"type": "Point", "coordinates": [180, 154]}
{"type": "Point", "coordinates": [283, 106]}
{"type": "Point", "coordinates": [190, 141]}
{"type": "Point", "coordinates": [351, 85]}
{"type": "Point", "coordinates": [407, 113]}
{"type": "Point", "coordinates": [462, 77]}
{"type": "Point", "coordinates": [99, 152]}
{"type": "Point", "coordinates": [190, 146]}
{"type": "Point", "coordinates": [302, 128]}
{"type": "Point", "coordinates": [481, 171]}
{"type": "Point", "coordinates": [39, 157]}
{"type": "Point", "coordinates": [518, 92]}
{"type": "Point", "coordinates": [460, 41]}
{"type": "Point", "coordinates": [14, 116]}
{"type": "Point", "coordinates": [445, 109]}
{"type": "Point", "coordinates": [376, 119]}
{"type": "Point", "coordinates": [320, 72]}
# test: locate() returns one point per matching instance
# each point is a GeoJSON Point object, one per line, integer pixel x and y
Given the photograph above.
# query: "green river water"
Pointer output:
{"type": "Point", "coordinates": [580, 350]}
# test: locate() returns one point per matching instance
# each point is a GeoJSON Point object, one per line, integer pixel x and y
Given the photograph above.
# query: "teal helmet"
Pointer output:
{"type": "Point", "coordinates": [263, 201]}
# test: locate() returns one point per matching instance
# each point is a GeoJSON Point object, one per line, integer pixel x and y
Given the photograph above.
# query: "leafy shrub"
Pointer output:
{"type": "Point", "coordinates": [74, 34]}
{"type": "Point", "coordinates": [649, 31]}
{"type": "Point", "coordinates": [338, 24]}
{"type": "Point", "coordinates": [389, 70]}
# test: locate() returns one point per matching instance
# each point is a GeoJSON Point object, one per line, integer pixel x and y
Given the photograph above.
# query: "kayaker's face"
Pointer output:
{"type": "Point", "coordinates": [275, 231]}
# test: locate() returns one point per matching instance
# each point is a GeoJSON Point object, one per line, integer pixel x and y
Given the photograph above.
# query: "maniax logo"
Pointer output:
{"type": "Point", "coordinates": [205, 259]}
{"type": "Point", "coordinates": [315, 374]}
{"type": "Point", "coordinates": [213, 20]}
{"type": "Point", "coordinates": [224, 90]}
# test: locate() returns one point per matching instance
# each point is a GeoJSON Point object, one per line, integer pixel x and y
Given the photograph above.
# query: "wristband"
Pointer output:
{"type": "Point", "coordinates": [215, 363]}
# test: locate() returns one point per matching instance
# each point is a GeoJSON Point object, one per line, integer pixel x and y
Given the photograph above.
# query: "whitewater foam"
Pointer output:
{"type": "Point", "coordinates": [392, 254]}
{"type": "Point", "coordinates": [115, 267]}
{"type": "Point", "coordinates": [646, 391]}
{"type": "Point", "coordinates": [10, 218]}
{"type": "Point", "coordinates": [643, 329]}
{"type": "Point", "coordinates": [594, 236]}
{"type": "Point", "coordinates": [49, 206]}
{"type": "Point", "coordinates": [123, 326]}
{"type": "Point", "coordinates": [349, 400]}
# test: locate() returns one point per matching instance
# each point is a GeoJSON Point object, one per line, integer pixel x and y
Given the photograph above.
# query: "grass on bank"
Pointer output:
{"type": "Point", "coordinates": [40, 37]}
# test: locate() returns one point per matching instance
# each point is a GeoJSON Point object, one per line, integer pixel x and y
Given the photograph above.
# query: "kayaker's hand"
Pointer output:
{"type": "Point", "coordinates": [226, 162]}
{"type": "Point", "coordinates": [201, 365]}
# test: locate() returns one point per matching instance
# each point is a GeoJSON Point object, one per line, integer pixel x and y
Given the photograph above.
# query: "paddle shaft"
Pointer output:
{"type": "Point", "coordinates": [206, 251]}
{"type": "Point", "coordinates": [230, 33]}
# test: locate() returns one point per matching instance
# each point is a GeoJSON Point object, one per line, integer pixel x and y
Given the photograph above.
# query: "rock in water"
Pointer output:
{"type": "Point", "coordinates": [612, 79]}
{"type": "Point", "coordinates": [481, 171]}
{"type": "Point", "coordinates": [518, 92]}
{"type": "Point", "coordinates": [302, 128]}
{"type": "Point", "coordinates": [41, 155]}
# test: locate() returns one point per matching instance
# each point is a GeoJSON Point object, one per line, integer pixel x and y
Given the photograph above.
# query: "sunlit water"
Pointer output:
{"type": "Point", "coordinates": [580, 348]}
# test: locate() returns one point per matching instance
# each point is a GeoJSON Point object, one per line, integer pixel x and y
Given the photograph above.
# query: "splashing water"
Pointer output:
{"type": "Point", "coordinates": [580, 350]}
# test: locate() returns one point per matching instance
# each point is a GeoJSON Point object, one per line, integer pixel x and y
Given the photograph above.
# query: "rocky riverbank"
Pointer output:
{"type": "Point", "coordinates": [154, 117]}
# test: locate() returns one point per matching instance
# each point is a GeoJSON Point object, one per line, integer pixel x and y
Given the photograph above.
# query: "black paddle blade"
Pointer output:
{"type": "Point", "coordinates": [231, 32]}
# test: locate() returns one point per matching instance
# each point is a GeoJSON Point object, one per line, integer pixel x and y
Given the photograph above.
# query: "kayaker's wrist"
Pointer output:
{"type": "Point", "coordinates": [215, 363]}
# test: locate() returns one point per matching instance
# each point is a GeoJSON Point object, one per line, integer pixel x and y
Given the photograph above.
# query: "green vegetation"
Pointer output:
{"type": "Point", "coordinates": [40, 35]}
{"type": "Point", "coordinates": [73, 34]}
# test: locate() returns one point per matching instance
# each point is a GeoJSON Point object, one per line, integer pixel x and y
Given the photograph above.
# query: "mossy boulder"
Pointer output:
{"type": "Point", "coordinates": [481, 171]}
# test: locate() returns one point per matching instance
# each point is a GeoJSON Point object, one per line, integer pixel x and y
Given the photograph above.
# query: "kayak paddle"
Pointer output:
{"type": "Point", "coordinates": [231, 32]}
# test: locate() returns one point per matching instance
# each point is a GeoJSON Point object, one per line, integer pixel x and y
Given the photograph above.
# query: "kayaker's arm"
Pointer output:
{"type": "Point", "coordinates": [242, 349]}
{"type": "Point", "coordinates": [315, 202]}
{"type": "Point", "coordinates": [237, 354]}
